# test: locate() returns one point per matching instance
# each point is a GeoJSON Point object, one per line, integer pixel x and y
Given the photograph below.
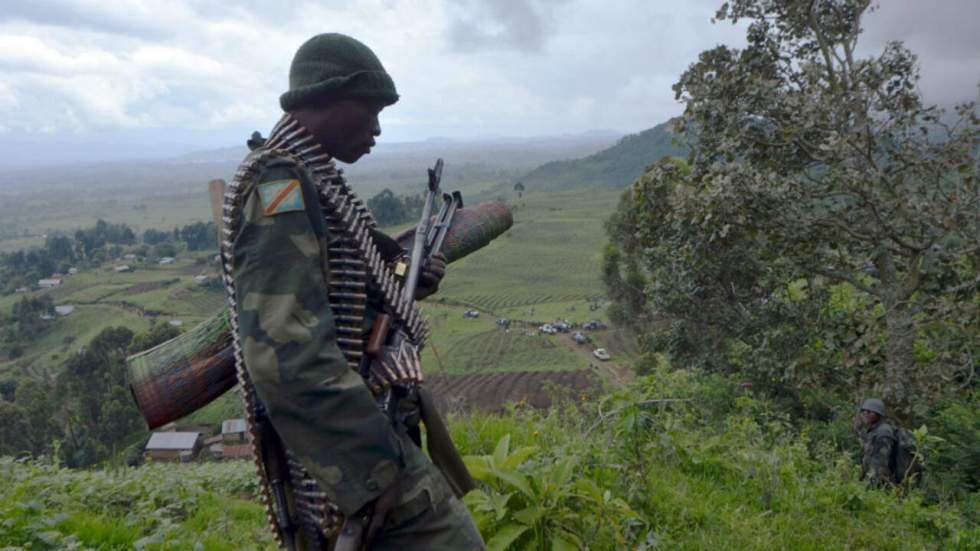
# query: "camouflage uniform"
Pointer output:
{"type": "Point", "coordinates": [879, 445]}
{"type": "Point", "coordinates": [321, 408]}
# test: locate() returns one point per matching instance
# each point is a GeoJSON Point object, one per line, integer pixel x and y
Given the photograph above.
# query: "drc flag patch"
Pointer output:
{"type": "Point", "coordinates": [281, 196]}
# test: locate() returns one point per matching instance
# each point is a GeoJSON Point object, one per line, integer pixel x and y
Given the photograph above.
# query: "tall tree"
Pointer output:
{"type": "Point", "coordinates": [387, 208]}
{"type": "Point", "coordinates": [833, 166]}
{"type": "Point", "coordinates": [100, 413]}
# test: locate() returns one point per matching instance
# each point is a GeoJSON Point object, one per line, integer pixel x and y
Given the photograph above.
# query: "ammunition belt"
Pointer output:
{"type": "Point", "coordinates": [353, 262]}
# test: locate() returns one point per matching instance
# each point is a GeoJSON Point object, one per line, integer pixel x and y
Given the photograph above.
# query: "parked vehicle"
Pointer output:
{"type": "Point", "coordinates": [547, 329]}
{"type": "Point", "coordinates": [601, 354]}
{"type": "Point", "coordinates": [580, 338]}
{"type": "Point", "coordinates": [472, 314]}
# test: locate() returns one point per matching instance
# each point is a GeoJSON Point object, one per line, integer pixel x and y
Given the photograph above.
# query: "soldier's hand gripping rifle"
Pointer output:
{"type": "Point", "coordinates": [395, 365]}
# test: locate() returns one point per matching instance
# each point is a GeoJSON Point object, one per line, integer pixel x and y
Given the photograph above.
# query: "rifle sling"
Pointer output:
{"type": "Point", "coordinates": [441, 448]}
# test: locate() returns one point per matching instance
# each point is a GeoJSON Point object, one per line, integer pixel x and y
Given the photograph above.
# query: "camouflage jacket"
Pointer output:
{"type": "Point", "coordinates": [320, 407]}
{"type": "Point", "coordinates": [879, 445]}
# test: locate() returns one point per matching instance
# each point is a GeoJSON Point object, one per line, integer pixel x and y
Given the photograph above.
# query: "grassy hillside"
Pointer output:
{"type": "Point", "coordinates": [677, 461]}
{"type": "Point", "coordinates": [612, 168]}
{"type": "Point", "coordinates": [104, 298]}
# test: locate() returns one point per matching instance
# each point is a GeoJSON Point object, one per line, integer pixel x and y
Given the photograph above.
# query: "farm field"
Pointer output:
{"type": "Point", "coordinates": [545, 269]}
{"type": "Point", "coordinates": [104, 298]}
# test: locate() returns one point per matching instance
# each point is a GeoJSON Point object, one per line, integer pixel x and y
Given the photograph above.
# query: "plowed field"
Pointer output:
{"type": "Point", "coordinates": [491, 391]}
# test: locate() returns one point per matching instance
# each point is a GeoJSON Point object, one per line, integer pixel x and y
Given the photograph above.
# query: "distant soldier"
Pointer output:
{"type": "Point", "coordinates": [879, 442]}
{"type": "Point", "coordinates": [307, 274]}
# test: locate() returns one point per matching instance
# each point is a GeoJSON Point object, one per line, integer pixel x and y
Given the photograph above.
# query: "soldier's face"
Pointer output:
{"type": "Point", "coordinates": [869, 417]}
{"type": "Point", "coordinates": [345, 128]}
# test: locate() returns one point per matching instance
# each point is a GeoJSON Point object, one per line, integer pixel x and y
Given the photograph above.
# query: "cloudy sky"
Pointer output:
{"type": "Point", "coordinates": [198, 73]}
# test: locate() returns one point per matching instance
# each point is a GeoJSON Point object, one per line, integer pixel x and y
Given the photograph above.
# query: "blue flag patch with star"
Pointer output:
{"type": "Point", "coordinates": [281, 196]}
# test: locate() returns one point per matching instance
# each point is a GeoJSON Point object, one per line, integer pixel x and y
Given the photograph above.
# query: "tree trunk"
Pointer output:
{"type": "Point", "coordinates": [899, 354]}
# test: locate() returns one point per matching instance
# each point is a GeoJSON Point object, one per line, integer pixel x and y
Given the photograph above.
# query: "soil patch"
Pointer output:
{"type": "Point", "coordinates": [491, 391]}
{"type": "Point", "coordinates": [144, 287]}
{"type": "Point", "coordinates": [180, 294]}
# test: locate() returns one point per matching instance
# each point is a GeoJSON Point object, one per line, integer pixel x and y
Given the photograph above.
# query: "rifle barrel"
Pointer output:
{"type": "Point", "coordinates": [414, 268]}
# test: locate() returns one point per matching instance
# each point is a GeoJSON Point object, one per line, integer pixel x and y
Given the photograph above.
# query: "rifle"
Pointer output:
{"type": "Point", "coordinates": [394, 358]}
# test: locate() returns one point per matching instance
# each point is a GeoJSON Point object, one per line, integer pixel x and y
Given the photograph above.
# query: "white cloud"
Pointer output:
{"type": "Point", "coordinates": [465, 68]}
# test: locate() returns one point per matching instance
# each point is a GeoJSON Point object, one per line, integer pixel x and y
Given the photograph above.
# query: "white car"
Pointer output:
{"type": "Point", "coordinates": [601, 354]}
{"type": "Point", "coordinates": [547, 329]}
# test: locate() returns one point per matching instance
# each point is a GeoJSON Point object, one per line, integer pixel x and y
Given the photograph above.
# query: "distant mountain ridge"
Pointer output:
{"type": "Point", "coordinates": [614, 167]}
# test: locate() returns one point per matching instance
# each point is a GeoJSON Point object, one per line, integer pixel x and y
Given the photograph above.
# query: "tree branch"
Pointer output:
{"type": "Point", "coordinates": [841, 276]}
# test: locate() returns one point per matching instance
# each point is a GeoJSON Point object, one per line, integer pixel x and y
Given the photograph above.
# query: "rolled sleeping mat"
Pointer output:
{"type": "Point", "coordinates": [186, 373]}
{"type": "Point", "coordinates": [472, 229]}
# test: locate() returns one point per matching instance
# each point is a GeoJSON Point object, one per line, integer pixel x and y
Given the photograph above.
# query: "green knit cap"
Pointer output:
{"type": "Point", "coordinates": [337, 66]}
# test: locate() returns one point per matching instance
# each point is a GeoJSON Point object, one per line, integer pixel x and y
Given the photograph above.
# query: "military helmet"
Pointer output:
{"type": "Point", "coordinates": [875, 405]}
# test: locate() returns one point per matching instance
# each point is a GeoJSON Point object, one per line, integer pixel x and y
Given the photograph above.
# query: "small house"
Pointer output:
{"type": "Point", "coordinates": [129, 256]}
{"type": "Point", "coordinates": [49, 282]}
{"type": "Point", "coordinates": [72, 271]}
{"type": "Point", "coordinates": [216, 451]}
{"type": "Point", "coordinates": [236, 451]}
{"type": "Point", "coordinates": [167, 260]}
{"type": "Point", "coordinates": [123, 268]}
{"type": "Point", "coordinates": [173, 446]}
{"type": "Point", "coordinates": [64, 310]}
{"type": "Point", "coordinates": [176, 323]}
{"type": "Point", "coordinates": [233, 431]}
{"type": "Point", "coordinates": [21, 290]}
{"type": "Point", "coordinates": [201, 279]}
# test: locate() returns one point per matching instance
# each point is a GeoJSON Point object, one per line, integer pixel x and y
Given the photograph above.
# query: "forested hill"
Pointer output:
{"type": "Point", "coordinates": [615, 167]}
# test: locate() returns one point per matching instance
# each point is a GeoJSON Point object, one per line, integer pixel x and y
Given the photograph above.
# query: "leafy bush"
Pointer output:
{"type": "Point", "coordinates": [158, 506]}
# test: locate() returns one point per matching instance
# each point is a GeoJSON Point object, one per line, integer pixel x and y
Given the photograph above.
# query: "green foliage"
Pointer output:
{"type": "Point", "coordinates": [155, 507]}
{"type": "Point", "coordinates": [153, 236]}
{"type": "Point", "coordinates": [676, 461]}
{"type": "Point", "coordinates": [158, 333]}
{"type": "Point", "coordinates": [543, 506]}
{"type": "Point", "coordinates": [702, 463]}
{"type": "Point", "coordinates": [25, 322]}
{"type": "Point", "coordinates": [199, 236]}
{"type": "Point", "coordinates": [952, 457]}
{"type": "Point", "coordinates": [99, 410]}
{"type": "Point", "coordinates": [391, 210]}
{"type": "Point", "coordinates": [829, 167]}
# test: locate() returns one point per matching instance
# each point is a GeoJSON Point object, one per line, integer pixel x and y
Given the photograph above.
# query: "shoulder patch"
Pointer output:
{"type": "Point", "coordinates": [281, 196]}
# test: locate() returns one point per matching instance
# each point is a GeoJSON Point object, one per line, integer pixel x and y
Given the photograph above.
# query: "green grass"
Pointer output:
{"type": "Point", "coordinates": [552, 255]}
{"type": "Point", "coordinates": [724, 471]}
{"type": "Point", "coordinates": [154, 507]}
{"type": "Point", "coordinates": [104, 298]}
{"type": "Point", "coordinates": [49, 351]}
{"type": "Point", "coordinates": [39, 213]}
{"type": "Point", "coordinates": [477, 345]}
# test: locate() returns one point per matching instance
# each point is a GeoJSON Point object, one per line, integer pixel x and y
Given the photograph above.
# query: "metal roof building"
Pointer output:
{"type": "Point", "coordinates": [173, 446]}
{"type": "Point", "coordinates": [172, 441]}
{"type": "Point", "coordinates": [231, 426]}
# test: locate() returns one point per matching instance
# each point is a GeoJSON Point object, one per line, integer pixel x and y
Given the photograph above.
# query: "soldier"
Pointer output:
{"type": "Point", "coordinates": [878, 440]}
{"type": "Point", "coordinates": [306, 288]}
